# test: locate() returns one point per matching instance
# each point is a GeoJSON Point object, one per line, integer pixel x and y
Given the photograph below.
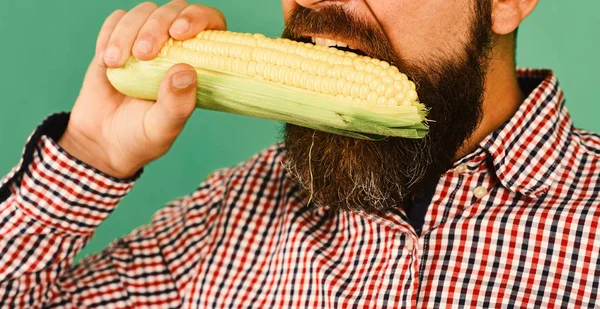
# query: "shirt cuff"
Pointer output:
{"type": "Point", "coordinates": [57, 189]}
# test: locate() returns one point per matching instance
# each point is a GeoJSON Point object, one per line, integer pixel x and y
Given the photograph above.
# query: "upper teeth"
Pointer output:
{"type": "Point", "coordinates": [326, 42]}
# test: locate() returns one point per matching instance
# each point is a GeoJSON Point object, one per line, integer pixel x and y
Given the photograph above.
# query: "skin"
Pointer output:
{"type": "Point", "coordinates": [118, 134]}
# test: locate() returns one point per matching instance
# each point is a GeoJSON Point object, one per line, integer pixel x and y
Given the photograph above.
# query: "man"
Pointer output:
{"type": "Point", "coordinates": [497, 207]}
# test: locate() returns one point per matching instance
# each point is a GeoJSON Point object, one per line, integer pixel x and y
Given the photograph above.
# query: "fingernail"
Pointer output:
{"type": "Point", "coordinates": [143, 46]}
{"type": "Point", "coordinates": [183, 79]}
{"type": "Point", "coordinates": [180, 26]}
{"type": "Point", "coordinates": [112, 54]}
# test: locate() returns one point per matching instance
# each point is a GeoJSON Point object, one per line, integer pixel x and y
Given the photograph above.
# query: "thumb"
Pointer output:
{"type": "Point", "coordinates": [175, 104]}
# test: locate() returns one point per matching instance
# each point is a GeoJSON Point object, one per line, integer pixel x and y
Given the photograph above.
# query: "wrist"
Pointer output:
{"type": "Point", "coordinates": [91, 153]}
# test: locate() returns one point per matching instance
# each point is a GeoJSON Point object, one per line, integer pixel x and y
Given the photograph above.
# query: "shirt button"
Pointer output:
{"type": "Point", "coordinates": [408, 244]}
{"type": "Point", "coordinates": [480, 192]}
{"type": "Point", "coordinates": [460, 169]}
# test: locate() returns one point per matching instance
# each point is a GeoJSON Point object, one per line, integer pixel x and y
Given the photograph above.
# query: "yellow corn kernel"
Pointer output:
{"type": "Point", "coordinates": [321, 69]}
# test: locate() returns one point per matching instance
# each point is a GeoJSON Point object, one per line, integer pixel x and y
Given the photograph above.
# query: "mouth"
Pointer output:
{"type": "Point", "coordinates": [328, 42]}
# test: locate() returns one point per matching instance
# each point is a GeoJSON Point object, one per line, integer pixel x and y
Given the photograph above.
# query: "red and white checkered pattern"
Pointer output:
{"type": "Point", "coordinates": [528, 238]}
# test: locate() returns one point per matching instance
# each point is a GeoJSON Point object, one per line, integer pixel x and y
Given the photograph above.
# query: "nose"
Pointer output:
{"type": "Point", "coordinates": [289, 5]}
{"type": "Point", "coordinates": [315, 4]}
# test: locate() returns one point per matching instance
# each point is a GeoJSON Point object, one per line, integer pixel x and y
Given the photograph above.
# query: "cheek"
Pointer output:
{"type": "Point", "coordinates": [424, 30]}
{"type": "Point", "coordinates": [288, 7]}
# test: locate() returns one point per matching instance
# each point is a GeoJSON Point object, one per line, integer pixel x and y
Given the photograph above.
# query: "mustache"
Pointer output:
{"type": "Point", "coordinates": [336, 21]}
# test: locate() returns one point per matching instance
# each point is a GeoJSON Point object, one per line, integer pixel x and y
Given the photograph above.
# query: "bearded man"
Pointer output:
{"type": "Point", "coordinates": [498, 206]}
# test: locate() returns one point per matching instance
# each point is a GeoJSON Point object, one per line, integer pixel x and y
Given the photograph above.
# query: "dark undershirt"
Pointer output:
{"type": "Point", "coordinates": [417, 208]}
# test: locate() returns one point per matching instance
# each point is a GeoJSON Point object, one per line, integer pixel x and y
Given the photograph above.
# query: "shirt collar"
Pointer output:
{"type": "Point", "coordinates": [527, 149]}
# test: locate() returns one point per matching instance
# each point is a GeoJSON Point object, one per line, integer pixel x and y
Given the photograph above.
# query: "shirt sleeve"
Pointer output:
{"type": "Point", "coordinates": [50, 206]}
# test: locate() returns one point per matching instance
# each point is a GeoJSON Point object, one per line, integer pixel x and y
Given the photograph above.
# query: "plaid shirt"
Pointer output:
{"type": "Point", "coordinates": [513, 224]}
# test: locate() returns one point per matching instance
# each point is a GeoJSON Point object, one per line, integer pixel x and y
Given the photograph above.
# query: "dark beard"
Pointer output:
{"type": "Point", "coordinates": [344, 173]}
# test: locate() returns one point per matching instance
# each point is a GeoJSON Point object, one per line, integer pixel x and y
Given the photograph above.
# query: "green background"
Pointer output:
{"type": "Point", "coordinates": [47, 46]}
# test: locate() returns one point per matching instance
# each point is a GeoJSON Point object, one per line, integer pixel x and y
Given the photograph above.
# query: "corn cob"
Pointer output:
{"type": "Point", "coordinates": [308, 85]}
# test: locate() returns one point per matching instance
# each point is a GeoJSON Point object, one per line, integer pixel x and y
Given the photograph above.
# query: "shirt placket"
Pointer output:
{"type": "Point", "coordinates": [405, 247]}
{"type": "Point", "coordinates": [458, 191]}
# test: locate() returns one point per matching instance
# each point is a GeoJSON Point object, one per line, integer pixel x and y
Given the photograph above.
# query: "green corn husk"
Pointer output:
{"type": "Point", "coordinates": [247, 96]}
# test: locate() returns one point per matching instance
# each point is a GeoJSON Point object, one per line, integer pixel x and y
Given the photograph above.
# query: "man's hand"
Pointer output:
{"type": "Point", "coordinates": [118, 134]}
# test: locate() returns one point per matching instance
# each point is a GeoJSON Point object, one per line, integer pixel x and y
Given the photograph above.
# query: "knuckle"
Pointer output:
{"type": "Point", "coordinates": [114, 43]}
{"type": "Point", "coordinates": [218, 12]}
{"type": "Point", "coordinates": [203, 12]}
{"type": "Point", "coordinates": [149, 5]}
{"type": "Point", "coordinates": [118, 12]}
{"type": "Point", "coordinates": [146, 35]}
{"type": "Point", "coordinates": [195, 14]}
{"type": "Point", "coordinates": [196, 10]}
{"type": "Point", "coordinates": [199, 8]}
{"type": "Point", "coordinates": [157, 21]}
{"type": "Point", "coordinates": [114, 17]}
{"type": "Point", "coordinates": [123, 25]}
{"type": "Point", "coordinates": [181, 111]}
